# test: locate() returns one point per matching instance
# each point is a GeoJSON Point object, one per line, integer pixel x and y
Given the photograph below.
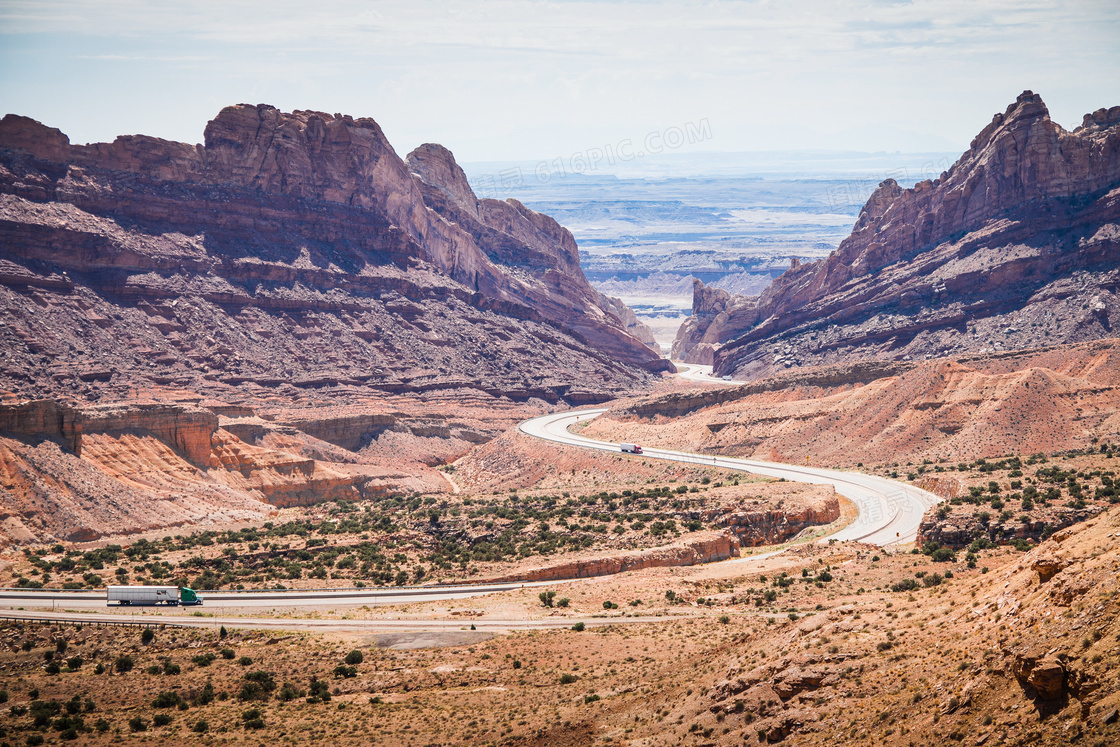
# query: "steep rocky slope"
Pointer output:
{"type": "Point", "coordinates": [290, 251]}
{"type": "Point", "coordinates": [77, 474]}
{"type": "Point", "coordinates": [1017, 245]}
{"type": "Point", "coordinates": [1051, 399]}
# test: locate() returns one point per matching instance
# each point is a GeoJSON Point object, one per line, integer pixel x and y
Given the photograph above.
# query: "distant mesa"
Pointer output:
{"type": "Point", "coordinates": [1016, 246]}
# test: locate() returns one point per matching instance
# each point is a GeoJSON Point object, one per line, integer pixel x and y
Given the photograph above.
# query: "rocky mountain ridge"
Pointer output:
{"type": "Point", "coordinates": [1017, 245]}
{"type": "Point", "coordinates": [290, 251]}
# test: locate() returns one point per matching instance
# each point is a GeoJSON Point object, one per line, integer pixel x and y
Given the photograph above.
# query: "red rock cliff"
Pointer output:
{"type": "Point", "coordinates": [1015, 246]}
{"type": "Point", "coordinates": [289, 250]}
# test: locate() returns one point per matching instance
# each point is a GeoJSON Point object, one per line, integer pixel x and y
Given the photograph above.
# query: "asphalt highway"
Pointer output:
{"type": "Point", "coordinates": [889, 511]}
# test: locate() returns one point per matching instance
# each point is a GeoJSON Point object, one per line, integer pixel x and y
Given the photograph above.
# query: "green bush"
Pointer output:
{"type": "Point", "coordinates": [200, 727]}
{"type": "Point", "coordinates": [124, 664]}
{"type": "Point", "coordinates": [568, 678]}
{"type": "Point", "coordinates": [578, 627]}
{"type": "Point", "coordinates": [162, 719]}
{"type": "Point", "coordinates": [228, 653]}
{"type": "Point", "coordinates": [167, 700]}
{"type": "Point", "coordinates": [354, 657]}
{"type": "Point", "coordinates": [137, 724]}
{"type": "Point", "coordinates": [203, 660]}
{"type": "Point", "coordinates": [289, 691]}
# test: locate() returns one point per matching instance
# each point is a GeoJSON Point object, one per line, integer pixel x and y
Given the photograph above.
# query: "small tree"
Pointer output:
{"type": "Point", "coordinates": [546, 598]}
{"type": "Point", "coordinates": [354, 657]}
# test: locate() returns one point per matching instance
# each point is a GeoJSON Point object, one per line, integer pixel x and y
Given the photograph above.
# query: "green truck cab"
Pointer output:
{"type": "Point", "coordinates": [188, 596]}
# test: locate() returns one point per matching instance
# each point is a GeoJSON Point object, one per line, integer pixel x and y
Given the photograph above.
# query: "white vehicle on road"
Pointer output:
{"type": "Point", "coordinates": [151, 595]}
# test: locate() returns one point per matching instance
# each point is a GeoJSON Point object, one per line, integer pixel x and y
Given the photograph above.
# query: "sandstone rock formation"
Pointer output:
{"type": "Point", "coordinates": [770, 526]}
{"type": "Point", "coordinates": [1015, 246]}
{"type": "Point", "coordinates": [1048, 399]}
{"type": "Point", "coordinates": [291, 251]}
{"type": "Point", "coordinates": [69, 473]}
{"type": "Point", "coordinates": [707, 548]}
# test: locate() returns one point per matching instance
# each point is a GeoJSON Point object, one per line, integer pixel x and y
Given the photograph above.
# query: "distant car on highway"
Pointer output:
{"type": "Point", "coordinates": [631, 449]}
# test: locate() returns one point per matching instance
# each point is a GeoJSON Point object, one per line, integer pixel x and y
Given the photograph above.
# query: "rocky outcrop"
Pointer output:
{"type": "Point", "coordinates": [70, 473]}
{"type": "Point", "coordinates": [1043, 673]}
{"type": "Point", "coordinates": [1013, 247]}
{"type": "Point", "coordinates": [960, 526]}
{"type": "Point", "coordinates": [776, 525]}
{"type": "Point", "coordinates": [707, 548]}
{"type": "Point", "coordinates": [290, 251]}
{"type": "Point", "coordinates": [714, 312]}
{"type": "Point", "coordinates": [514, 236]}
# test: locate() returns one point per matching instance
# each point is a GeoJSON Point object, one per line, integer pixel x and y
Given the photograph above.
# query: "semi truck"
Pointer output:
{"type": "Point", "coordinates": [631, 449]}
{"type": "Point", "coordinates": [151, 595]}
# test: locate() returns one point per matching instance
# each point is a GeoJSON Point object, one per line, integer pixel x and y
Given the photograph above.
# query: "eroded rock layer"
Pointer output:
{"type": "Point", "coordinates": [78, 474]}
{"type": "Point", "coordinates": [1016, 246]}
{"type": "Point", "coordinates": [291, 250]}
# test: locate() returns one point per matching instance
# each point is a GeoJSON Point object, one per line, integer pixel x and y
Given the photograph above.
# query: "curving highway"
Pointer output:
{"type": "Point", "coordinates": [889, 511]}
{"type": "Point", "coordinates": [697, 372]}
{"type": "Point", "coordinates": [889, 514]}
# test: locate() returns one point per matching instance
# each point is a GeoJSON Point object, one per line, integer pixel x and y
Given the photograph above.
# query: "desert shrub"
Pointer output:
{"type": "Point", "coordinates": [354, 657]}
{"type": "Point", "coordinates": [289, 692]}
{"type": "Point", "coordinates": [724, 619]}
{"type": "Point", "coordinates": [568, 678]}
{"type": "Point", "coordinates": [203, 660]}
{"type": "Point", "coordinates": [167, 700]}
{"type": "Point", "coordinates": [943, 555]}
{"type": "Point", "coordinates": [906, 584]}
{"type": "Point", "coordinates": [147, 636]}
{"type": "Point", "coordinates": [546, 598]}
{"type": "Point", "coordinates": [344, 671]}
{"type": "Point", "coordinates": [245, 661]}
{"type": "Point", "coordinates": [137, 724]}
{"type": "Point", "coordinates": [124, 664]}
{"type": "Point", "coordinates": [563, 602]}
{"type": "Point", "coordinates": [257, 686]}
{"type": "Point", "coordinates": [162, 719]}
{"type": "Point", "coordinates": [206, 696]}
{"type": "Point", "coordinates": [228, 653]}
{"type": "Point", "coordinates": [200, 727]}
{"type": "Point", "coordinates": [102, 725]}
{"type": "Point", "coordinates": [933, 579]}
{"type": "Point", "coordinates": [578, 627]}
{"type": "Point", "coordinates": [318, 691]}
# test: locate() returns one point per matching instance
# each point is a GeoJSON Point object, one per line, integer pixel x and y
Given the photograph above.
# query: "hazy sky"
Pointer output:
{"type": "Point", "coordinates": [524, 80]}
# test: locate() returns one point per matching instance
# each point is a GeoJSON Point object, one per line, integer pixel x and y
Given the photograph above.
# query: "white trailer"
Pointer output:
{"type": "Point", "coordinates": [631, 448]}
{"type": "Point", "coordinates": [143, 595]}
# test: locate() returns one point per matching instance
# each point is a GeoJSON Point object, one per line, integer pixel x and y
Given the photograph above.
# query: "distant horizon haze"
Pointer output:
{"type": "Point", "coordinates": [512, 80]}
